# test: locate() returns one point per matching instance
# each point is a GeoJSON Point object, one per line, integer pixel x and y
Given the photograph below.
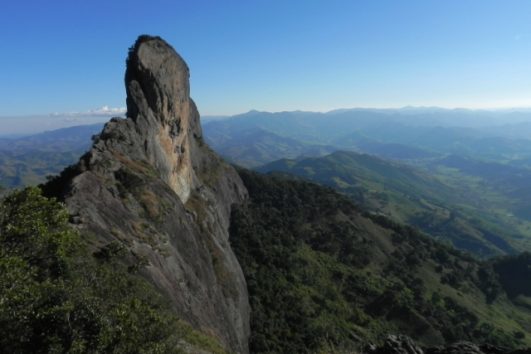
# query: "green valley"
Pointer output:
{"type": "Point", "coordinates": [324, 276]}
{"type": "Point", "coordinates": [472, 218]}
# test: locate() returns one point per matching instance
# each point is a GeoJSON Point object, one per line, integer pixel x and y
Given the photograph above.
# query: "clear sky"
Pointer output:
{"type": "Point", "coordinates": [69, 56]}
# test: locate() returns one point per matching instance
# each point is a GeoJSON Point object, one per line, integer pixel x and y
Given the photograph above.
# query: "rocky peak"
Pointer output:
{"type": "Point", "coordinates": [156, 80]}
{"type": "Point", "coordinates": [158, 96]}
{"type": "Point", "coordinates": [151, 184]}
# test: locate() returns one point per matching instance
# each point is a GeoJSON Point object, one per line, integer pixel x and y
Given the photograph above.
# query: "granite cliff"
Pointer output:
{"type": "Point", "coordinates": [150, 183]}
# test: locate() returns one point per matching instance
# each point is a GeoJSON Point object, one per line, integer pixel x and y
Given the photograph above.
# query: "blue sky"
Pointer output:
{"type": "Point", "coordinates": [69, 56]}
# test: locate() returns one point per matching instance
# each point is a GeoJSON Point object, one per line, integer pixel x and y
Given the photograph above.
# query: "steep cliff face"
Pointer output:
{"type": "Point", "coordinates": [151, 184]}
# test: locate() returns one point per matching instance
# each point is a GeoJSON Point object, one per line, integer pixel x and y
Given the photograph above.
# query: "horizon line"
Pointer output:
{"type": "Point", "coordinates": [96, 114]}
{"type": "Point", "coordinates": [390, 108]}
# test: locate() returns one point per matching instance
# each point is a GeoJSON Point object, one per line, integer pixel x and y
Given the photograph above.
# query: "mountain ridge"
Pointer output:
{"type": "Point", "coordinates": [325, 276]}
{"type": "Point", "coordinates": [408, 195]}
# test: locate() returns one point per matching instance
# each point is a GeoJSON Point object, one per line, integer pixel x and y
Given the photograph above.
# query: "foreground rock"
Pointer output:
{"type": "Point", "coordinates": [150, 183]}
{"type": "Point", "coordinates": [405, 345]}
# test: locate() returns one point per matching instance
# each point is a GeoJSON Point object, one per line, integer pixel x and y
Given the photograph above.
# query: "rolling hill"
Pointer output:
{"type": "Point", "coordinates": [410, 195]}
{"type": "Point", "coordinates": [28, 160]}
{"type": "Point", "coordinates": [325, 277]}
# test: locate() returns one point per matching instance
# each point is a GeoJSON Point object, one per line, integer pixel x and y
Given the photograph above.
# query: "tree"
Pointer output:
{"type": "Point", "coordinates": [56, 297]}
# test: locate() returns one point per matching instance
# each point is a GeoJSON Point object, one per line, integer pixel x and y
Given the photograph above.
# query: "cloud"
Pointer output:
{"type": "Point", "coordinates": [102, 111]}
{"type": "Point", "coordinates": [105, 110]}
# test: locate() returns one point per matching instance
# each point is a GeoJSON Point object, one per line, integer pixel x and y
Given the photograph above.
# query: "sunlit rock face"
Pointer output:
{"type": "Point", "coordinates": [158, 92]}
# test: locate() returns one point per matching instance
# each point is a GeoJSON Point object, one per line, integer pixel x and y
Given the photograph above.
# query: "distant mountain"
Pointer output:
{"type": "Point", "coordinates": [509, 180]}
{"type": "Point", "coordinates": [393, 151]}
{"type": "Point", "coordinates": [255, 138]}
{"type": "Point", "coordinates": [28, 160]}
{"type": "Point", "coordinates": [454, 206]}
{"type": "Point", "coordinates": [412, 196]}
{"type": "Point", "coordinates": [486, 223]}
{"type": "Point", "coordinates": [481, 134]}
{"type": "Point", "coordinates": [257, 146]}
{"type": "Point", "coordinates": [210, 118]}
{"type": "Point", "coordinates": [65, 139]}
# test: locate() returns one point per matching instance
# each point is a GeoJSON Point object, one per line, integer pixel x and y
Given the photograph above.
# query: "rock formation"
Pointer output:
{"type": "Point", "coordinates": [151, 184]}
{"type": "Point", "coordinates": [404, 345]}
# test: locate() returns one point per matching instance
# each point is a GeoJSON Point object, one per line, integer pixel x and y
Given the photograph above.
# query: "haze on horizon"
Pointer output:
{"type": "Point", "coordinates": [272, 55]}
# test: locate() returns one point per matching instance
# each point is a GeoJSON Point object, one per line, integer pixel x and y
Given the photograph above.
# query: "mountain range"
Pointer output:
{"type": "Point", "coordinates": [449, 210]}
{"type": "Point", "coordinates": [463, 184]}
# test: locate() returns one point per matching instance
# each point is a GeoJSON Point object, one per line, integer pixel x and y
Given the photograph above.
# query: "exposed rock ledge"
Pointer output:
{"type": "Point", "coordinates": [405, 345]}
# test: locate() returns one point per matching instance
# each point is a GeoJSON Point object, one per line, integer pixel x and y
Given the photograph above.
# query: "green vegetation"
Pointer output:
{"type": "Point", "coordinates": [257, 146]}
{"type": "Point", "coordinates": [515, 272]}
{"type": "Point", "coordinates": [29, 160]}
{"type": "Point", "coordinates": [456, 209]}
{"type": "Point", "coordinates": [323, 276]}
{"type": "Point", "coordinates": [473, 189]}
{"type": "Point", "coordinates": [32, 167]}
{"type": "Point", "coordinates": [56, 297]}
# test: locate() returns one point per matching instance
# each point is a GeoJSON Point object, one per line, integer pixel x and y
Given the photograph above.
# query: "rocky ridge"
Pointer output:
{"type": "Point", "coordinates": [151, 185]}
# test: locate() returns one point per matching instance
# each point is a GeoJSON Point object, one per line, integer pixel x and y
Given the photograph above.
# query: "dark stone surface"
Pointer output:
{"type": "Point", "coordinates": [395, 345]}
{"type": "Point", "coordinates": [404, 345]}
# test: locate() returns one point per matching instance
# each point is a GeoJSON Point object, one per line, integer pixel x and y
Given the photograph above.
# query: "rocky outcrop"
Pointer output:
{"type": "Point", "coordinates": [150, 183]}
{"type": "Point", "coordinates": [404, 345]}
{"type": "Point", "coordinates": [395, 345]}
